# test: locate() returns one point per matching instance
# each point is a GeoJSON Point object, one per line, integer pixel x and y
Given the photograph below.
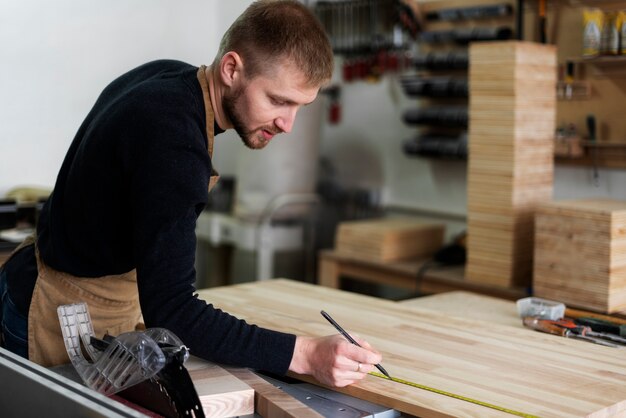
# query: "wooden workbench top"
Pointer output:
{"type": "Point", "coordinates": [515, 368]}
{"type": "Point", "coordinates": [469, 305]}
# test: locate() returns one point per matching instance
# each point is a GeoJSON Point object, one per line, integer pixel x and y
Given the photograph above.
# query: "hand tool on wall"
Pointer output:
{"type": "Point", "coordinates": [519, 20]}
{"type": "Point", "coordinates": [410, 16]}
{"type": "Point", "coordinates": [542, 21]}
{"type": "Point", "coordinates": [438, 146]}
{"type": "Point", "coordinates": [449, 116]}
{"type": "Point", "coordinates": [472, 12]}
{"type": "Point", "coordinates": [453, 60]}
{"type": "Point", "coordinates": [464, 36]}
{"type": "Point", "coordinates": [442, 86]}
{"type": "Point", "coordinates": [591, 127]}
{"type": "Point", "coordinates": [551, 327]}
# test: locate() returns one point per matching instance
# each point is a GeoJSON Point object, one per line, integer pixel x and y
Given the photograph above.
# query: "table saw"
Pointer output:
{"type": "Point", "coordinates": [28, 389]}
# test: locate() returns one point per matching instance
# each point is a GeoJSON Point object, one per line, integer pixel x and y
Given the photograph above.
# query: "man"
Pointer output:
{"type": "Point", "coordinates": [118, 232]}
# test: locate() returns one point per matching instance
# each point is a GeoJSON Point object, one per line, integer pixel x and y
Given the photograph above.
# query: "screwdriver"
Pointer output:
{"type": "Point", "coordinates": [549, 327]}
{"type": "Point", "coordinates": [587, 331]}
{"type": "Point", "coordinates": [601, 325]}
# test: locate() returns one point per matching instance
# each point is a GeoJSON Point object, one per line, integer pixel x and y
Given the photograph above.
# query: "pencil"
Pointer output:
{"type": "Point", "coordinates": [349, 338]}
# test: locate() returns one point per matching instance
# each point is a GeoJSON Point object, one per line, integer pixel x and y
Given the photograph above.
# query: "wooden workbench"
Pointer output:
{"type": "Point", "coordinates": [403, 274]}
{"type": "Point", "coordinates": [515, 368]}
{"type": "Point", "coordinates": [468, 305]}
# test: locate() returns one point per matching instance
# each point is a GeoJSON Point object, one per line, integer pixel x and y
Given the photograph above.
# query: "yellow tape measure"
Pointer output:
{"type": "Point", "coordinates": [453, 395]}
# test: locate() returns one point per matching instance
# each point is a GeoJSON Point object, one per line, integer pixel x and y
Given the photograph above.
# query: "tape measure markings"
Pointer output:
{"type": "Point", "coordinates": [453, 395]}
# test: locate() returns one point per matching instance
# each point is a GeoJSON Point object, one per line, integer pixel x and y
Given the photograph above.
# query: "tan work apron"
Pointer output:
{"type": "Point", "coordinates": [113, 300]}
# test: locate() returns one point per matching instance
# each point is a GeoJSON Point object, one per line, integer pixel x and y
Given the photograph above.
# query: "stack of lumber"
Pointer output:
{"type": "Point", "coordinates": [580, 253]}
{"type": "Point", "coordinates": [514, 368]}
{"type": "Point", "coordinates": [388, 239]}
{"type": "Point", "coordinates": [510, 170]}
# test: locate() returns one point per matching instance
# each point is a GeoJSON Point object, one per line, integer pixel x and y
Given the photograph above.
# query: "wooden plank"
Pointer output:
{"type": "Point", "coordinates": [519, 369]}
{"type": "Point", "coordinates": [221, 394]}
{"type": "Point", "coordinates": [271, 402]}
{"type": "Point", "coordinates": [388, 239]}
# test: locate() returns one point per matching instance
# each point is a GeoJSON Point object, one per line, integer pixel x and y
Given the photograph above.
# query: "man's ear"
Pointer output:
{"type": "Point", "coordinates": [231, 68]}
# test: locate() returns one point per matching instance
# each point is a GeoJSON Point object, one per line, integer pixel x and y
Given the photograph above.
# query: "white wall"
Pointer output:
{"type": "Point", "coordinates": [58, 55]}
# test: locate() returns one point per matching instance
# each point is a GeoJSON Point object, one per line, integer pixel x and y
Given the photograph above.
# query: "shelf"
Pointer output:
{"type": "Point", "coordinates": [604, 144]}
{"type": "Point", "coordinates": [600, 154]}
{"type": "Point", "coordinates": [598, 157]}
{"type": "Point", "coordinates": [604, 65]}
{"type": "Point", "coordinates": [576, 90]}
{"type": "Point", "coordinates": [604, 4]}
{"type": "Point", "coordinates": [603, 60]}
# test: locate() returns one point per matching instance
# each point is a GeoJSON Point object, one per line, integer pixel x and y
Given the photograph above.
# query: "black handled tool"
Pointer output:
{"type": "Point", "coordinates": [591, 126]}
{"type": "Point", "coordinates": [600, 325]}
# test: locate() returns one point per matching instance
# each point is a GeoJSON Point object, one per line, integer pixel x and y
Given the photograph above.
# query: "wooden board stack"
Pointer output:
{"type": "Point", "coordinates": [388, 239]}
{"type": "Point", "coordinates": [580, 253]}
{"type": "Point", "coordinates": [510, 170]}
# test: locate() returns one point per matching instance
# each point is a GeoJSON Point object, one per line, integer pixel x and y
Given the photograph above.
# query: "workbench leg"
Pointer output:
{"type": "Point", "coordinates": [328, 273]}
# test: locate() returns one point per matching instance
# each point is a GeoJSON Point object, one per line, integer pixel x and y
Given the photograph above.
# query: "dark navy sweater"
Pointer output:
{"type": "Point", "coordinates": [127, 196]}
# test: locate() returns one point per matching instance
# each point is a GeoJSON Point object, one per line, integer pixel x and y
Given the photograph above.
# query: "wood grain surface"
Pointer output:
{"type": "Point", "coordinates": [519, 369]}
{"type": "Point", "coordinates": [510, 167]}
{"type": "Point", "coordinates": [470, 305]}
{"type": "Point", "coordinates": [580, 253]}
{"type": "Point", "coordinates": [221, 394]}
{"type": "Point", "coordinates": [388, 239]}
{"type": "Point", "coordinates": [270, 401]}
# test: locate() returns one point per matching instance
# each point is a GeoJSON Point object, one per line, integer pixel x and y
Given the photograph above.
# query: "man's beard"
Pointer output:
{"type": "Point", "coordinates": [229, 105]}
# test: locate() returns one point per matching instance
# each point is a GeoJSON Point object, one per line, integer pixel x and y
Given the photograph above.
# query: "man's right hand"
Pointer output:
{"type": "Point", "coordinates": [332, 360]}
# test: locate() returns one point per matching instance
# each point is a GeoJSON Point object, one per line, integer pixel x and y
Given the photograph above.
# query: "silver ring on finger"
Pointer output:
{"type": "Point", "coordinates": [358, 367]}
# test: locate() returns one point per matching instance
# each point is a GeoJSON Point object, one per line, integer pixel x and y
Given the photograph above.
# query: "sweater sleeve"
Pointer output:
{"type": "Point", "coordinates": [167, 192]}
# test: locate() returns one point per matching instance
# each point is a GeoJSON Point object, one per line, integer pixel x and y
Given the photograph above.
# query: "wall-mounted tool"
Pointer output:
{"type": "Point", "coordinates": [472, 12]}
{"type": "Point", "coordinates": [464, 36]}
{"type": "Point", "coordinates": [452, 60]}
{"type": "Point", "coordinates": [371, 35]}
{"type": "Point", "coordinates": [542, 22]}
{"type": "Point", "coordinates": [334, 103]}
{"type": "Point", "coordinates": [448, 116]}
{"type": "Point", "coordinates": [519, 20]}
{"type": "Point", "coordinates": [437, 146]}
{"type": "Point", "coordinates": [591, 127]}
{"type": "Point", "coordinates": [442, 86]}
{"type": "Point", "coordinates": [410, 16]}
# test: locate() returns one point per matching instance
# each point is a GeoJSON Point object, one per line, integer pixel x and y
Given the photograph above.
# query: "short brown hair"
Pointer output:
{"type": "Point", "coordinates": [269, 30]}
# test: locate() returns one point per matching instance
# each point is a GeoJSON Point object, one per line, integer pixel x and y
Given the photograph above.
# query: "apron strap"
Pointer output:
{"type": "Point", "coordinates": [210, 120]}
